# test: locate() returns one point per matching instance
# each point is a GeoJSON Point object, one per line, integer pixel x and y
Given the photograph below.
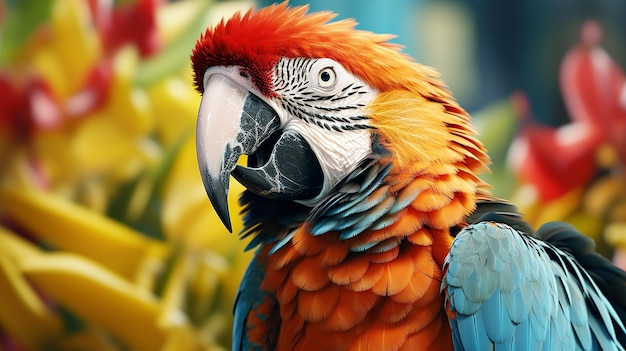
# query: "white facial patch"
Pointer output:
{"type": "Point", "coordinates": [327, 105]}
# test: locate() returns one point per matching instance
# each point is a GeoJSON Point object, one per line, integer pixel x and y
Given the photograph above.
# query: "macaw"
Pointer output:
{"type": "Point", "coordinates": [372, 228]}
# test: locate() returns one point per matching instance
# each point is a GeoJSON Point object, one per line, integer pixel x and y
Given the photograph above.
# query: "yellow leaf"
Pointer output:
{"type": "Point", "coordinates": [174, 17]}
{"type": "Point", "coordinates": [100, 145]}
{"type": "Point", "coordinates": [75, 41]}
{"type": "Point", "coordinates": [22, 313]}
{"type": "Point", "coordinates": [92, 339]}
{"type": "Point", "coordinates": [70, 227]}
{"type": "Point", "coordinates": [614, 234]}
{"type": "Point", "coordinates": [175, 105]}
{"type": "Point", "coordinates": [128, 106]}
{"type": "Point", "coordinates": [99, 297]}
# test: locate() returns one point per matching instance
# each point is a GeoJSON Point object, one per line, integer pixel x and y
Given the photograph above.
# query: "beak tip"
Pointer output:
{"type": "Point", "coordinates": [218, 195]}
{"type": "Point", "coordinates": [220, 204]}
{"type": "Point", "coordinates": [226, 222]}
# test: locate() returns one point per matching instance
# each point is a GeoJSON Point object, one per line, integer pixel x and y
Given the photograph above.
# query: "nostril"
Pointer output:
{"type": "Point", "coordinates": [244, 74]}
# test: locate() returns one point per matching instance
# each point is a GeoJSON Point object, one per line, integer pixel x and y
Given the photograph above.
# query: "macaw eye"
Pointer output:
{"type": "Point", "coordinates": [326, 78]}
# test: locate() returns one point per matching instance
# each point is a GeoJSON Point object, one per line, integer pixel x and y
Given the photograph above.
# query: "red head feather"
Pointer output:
{"type": "Point", "coordinates": [258, 39]}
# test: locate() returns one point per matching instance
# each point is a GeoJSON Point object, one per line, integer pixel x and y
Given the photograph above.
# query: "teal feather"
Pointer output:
{"type": "Point", "coordinates": [367, 219]}
{"type": "Point", "coordinates": [404, 198]}
{"type": "Point", "coordinates": [363, 247]}
{"type": "Point", "coordinates": [521, 293]}
{"type": "Point", "coordinates": [385, 221]}
{"type": "Point", "coordinates": [385, 246]}
{"type": "Point", "coordinates": [282, 242]}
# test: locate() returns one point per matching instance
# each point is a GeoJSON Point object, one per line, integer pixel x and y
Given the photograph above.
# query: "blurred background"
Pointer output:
{"type": "Point", "coordinates": [107, 239]}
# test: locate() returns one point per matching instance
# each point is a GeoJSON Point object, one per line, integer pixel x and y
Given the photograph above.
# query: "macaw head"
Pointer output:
{"type": "Point", "coordinates": [310, 100]}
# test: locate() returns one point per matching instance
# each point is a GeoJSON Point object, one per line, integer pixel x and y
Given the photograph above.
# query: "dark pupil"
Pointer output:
{"type": "Point", "coordinates": [325, 76]}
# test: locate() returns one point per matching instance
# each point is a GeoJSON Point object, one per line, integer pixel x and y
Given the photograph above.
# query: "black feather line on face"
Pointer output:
{"type": "Point", "coordinates": [292, 86]}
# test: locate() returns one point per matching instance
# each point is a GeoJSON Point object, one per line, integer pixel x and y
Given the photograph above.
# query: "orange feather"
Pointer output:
{"type": "Point", "coordinates": [287, 310]}
{"type": "Point", "coordinates": [286, 293]}
{"type": "Point", "coordinates": [424, 274]}
{"type": "Point", "coordinates": [416, 287]}
{"type": "Point", "coordinates": [406, 224]}
{"type": "Point", "coordinates": [448, 168]}
{"type": "Point", "coordinates": [448, 184]}
{"type": "Point", "coordinates": [424, 181]}
{"type": "Point", "coordinates": [291, 331]}
{"type": "Point", "coordinates": [442, 241]}
{"type": "Point", "coordinates": [387, 256]}
{"type": "Point", "coordinates": [307, 244]}
{"type": "Point", "coordinates": [309, 276]}
{"type": "Point", "coordinates": [443, 339]}
{"type": "Point", "coordinates": [317, 305]}
{"type": "Point", "coordinates": [421, 237]}
{"type": "Point", "coordinates": [351, 310]}
{"type": "Point", "coordinates": [430, 293]}
{"type": "Point", "coordinates": [324, 340]}
{"type": "Point", "coordinates": [274, 278]}
{"type": "Point", "coordinates": [429, 200]}
{"type": "Point", "coordinates": [334, 253]}
{"type": "Point", "coordinates": [420, 318]}
{"type": "Point", "coordinates": [372, 276]}
{"type": "Point", "coordinates": [351, 270]}
{"type": "Point", "coordinates": [259, 329]}
{"type": "Point", "coordinates": [394, 276]}
{"type": "Point", "coordinates": [282, 258]}
{"type": "Point", "coordinates": [382, 336]}
{"type": "Point", "coordinates": [403, 180]}
{"type": "Point", "coordinates": [427, 337]}
{"type": "Point", "coordinates": [391, 311]}
{"type": "Point", "coordinates": [453, 213]}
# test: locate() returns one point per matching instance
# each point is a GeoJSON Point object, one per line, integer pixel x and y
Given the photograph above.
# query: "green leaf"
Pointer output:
{"type": "Point", "coordinates": [496, 125]}
{"type": "Point", "coordinates": [22, 18]}
{"type": "Point", "coordinates": [147, 186]}
{"type": "Point", "coordinates": [176, 55]}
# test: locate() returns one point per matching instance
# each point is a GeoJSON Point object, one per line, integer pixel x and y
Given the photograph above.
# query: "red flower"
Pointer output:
{"type": "Point", "coordinates": [134, 23]}
{"type": "Point", "coordinates": [27, 107]}
{"type": "Point", "coordinates": [558, 160]}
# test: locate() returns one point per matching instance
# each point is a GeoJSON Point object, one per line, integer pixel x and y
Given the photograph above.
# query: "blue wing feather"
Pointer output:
{"type": "Point", "coordinates": [472, 332]}
{"type": "Point", "coordinates": [510, 291]}
{"type": "Point", "coordinates": [498, 325]}
{"type": "Point", "coordinates": [517, 311]}
{"type": "Point", "coordinates": [523, 337]}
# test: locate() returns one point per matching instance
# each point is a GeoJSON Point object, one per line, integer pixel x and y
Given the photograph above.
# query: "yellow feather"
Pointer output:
{"type": "Point", "coordinates": [426, 135]}
{"type": "Point", "coordinates": [412, 127]}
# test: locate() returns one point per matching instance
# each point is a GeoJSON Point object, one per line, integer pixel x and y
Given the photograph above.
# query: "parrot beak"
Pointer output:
{"type": "Point", "coordinates": [232, 121]}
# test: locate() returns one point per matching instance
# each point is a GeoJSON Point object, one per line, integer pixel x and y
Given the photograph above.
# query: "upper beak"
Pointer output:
{"type": "Point", "coordinates": [232, 121]}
